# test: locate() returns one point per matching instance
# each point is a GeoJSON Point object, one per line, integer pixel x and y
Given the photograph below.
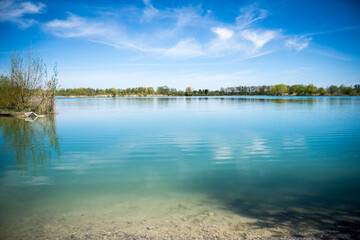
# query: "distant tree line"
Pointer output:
{"type": "Point", "coordinates": [141, 91]}
{"type": "Point", "coordinates": [275, 90]}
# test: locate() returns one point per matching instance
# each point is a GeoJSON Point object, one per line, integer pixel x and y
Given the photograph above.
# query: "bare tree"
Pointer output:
{"type": "Point", "coordinates": [28, 86]}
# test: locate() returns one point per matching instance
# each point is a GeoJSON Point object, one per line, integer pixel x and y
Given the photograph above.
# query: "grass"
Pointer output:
{"type": "Point", "coordinates": [16, 113]}
{"type": "Point", "coordinates": [8, 110]}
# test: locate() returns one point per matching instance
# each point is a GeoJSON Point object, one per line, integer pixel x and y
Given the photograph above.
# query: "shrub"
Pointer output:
{"type": "Point", "coordinates": [28, 88]}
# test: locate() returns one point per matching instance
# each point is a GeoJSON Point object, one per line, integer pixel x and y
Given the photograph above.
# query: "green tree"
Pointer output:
{"type": "Point", "coordinates": [164, 90]}
{"type": "Point", "coordinates": [357, 88]}
{"type": "Point", "coordinates": [347, 90]}
{"type": "Point", "coordinates": [278, 90]}
{"type": "Point", "coordinates": [311, 89]}
{"type": "Point", "coordinates": [113, 92]}
{"type": "Point", "coordinates": [150, 90]}
{"type": "Point", "coordinates": [8, 90]}
{"type": "Point", "coordinates": [333, 89]}
{"type": "Point", "coordinates": [188, 91]}
{"type": "Point", "coordinates": [297, 89]}
{"type": "Point", "coordinates": [322, 91]}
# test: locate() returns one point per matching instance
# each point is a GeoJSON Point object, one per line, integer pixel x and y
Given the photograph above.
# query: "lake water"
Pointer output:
{"type": "Point", "coordinates": [184, 167]}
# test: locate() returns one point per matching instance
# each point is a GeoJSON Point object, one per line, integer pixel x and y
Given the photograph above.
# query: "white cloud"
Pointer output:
{"type": "Point", "coordinates": [188, 16]}
{"type": "Point", "coordinates": [348, 28]}
{"type": "Point", "coordinates": [223, 33]}
{"type": "Point", "coordinates": [186, 48]}
{"type": "Point", "coordinates": [75, 26]}
{"type": "Point", "coordinates": [94, 30]}
{"type": "Point", "coordinates": [184, 32]}
{"type": "Point", "coordinates": [250, 14]}
{"type": "Point", "coordinates": [149, 12]}
{"type": "Point", "coordinates": [11, 11]}
{"type": "Point", "coordinates": [224, 43]}
{"type": "Point", "coordinates": [259, 39]}
{"type": "Point", "coordinates": [298, 43]}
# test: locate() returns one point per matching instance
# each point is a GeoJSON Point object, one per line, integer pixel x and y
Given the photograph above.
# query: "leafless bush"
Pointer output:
{"type": "Point", "coordinates": [27, 86]}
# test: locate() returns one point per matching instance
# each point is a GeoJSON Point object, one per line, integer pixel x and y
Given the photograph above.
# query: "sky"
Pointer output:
{"type": "Point", "coordinates": [180, 43]}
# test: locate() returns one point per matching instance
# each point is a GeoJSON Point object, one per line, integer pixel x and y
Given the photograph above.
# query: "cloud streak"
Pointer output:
{"type": "Point", "coordinates": [75, 26]}
{"type": "Point", "coordinates": [16, 12]}
{"type": "Point", "coordinates": [186, 32]}
{"type": "Point", "coordinates": [259, 39]}
{"type": "Point", "coordinates": [149, 12]}
{"type": "Point", "coordinates": [186, 48]}
{"type": "Point", "coordinates": [298, 43]}
{"type": "Point", "coordinates": [249, 15]}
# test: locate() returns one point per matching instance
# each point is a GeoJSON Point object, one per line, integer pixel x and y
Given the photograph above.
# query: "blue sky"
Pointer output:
{"type": "Point", "coordinates": [203, 44]}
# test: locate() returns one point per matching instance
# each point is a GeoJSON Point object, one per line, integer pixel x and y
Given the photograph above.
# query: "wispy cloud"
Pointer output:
{"type": "Point", "coordinates": [301, 42]}
{"type": "Point", "coordinates": [75, 26]}
{"type": "Point", "coordinates": [348, 28]}
{"type": "Point", "coordinates": [330, 53]}
{"type": "Point", "coordinates": [249, 15]}
{"type": "Point", "coordinates": [186, 48]}
{"type": "Point", "coordinates": [223, 33]}
{"type": "Point", "coordinates": [13, 11]}
{"type": "Point", "coordinates": [149, 12]}
{"type": "Point", "coordinates": [95, 30]}
{"type": "Point", "coordinates": [186, 32]}
{"type": "Point", "coordinates": [259, 39]}
{"type": "Point", "coordinates": [297, 43]}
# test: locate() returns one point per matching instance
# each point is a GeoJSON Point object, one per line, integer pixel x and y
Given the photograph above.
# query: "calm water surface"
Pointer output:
{"type": "Point", "coordinates": [137, 163]}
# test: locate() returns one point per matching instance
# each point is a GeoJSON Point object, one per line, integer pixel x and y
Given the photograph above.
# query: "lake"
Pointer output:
{"type": "Point", "coordinates": [186, 167]}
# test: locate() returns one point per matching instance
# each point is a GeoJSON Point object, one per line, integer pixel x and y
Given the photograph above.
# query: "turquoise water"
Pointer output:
{"type": "Point", "coordinates": [169, 165]}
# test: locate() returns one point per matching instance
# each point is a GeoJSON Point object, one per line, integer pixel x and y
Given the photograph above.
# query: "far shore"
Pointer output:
{"type": "Point", "coordinates": [162, 95]}
{"type": "Point", "coordinates": [107, 95]}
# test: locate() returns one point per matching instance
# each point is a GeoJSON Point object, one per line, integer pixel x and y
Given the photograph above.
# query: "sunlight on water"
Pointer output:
{"type": "Point", "coordinates": [185, 167]}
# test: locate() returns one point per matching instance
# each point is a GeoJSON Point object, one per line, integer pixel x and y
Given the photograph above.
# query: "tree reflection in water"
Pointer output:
{"type": "Point", "coordinates": [31, 145]}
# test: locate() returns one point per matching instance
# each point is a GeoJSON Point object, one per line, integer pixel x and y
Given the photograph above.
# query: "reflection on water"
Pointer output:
{"type": "Point", "coordinates": [207, 166]}
{"type": "Point", "coordinates": [31, 144]}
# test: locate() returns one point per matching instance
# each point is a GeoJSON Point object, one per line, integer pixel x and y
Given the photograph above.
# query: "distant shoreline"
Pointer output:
{"type": "Point", "coordinates": [263, 90]}
{"type": "Point", "coordinates": [161, 95]}
{"type": "Point", "coordinates": [109, 96]}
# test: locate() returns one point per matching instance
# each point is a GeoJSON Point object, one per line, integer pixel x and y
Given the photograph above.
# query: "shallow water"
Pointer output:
{"type": "Point", "coordinates": [185, 167]}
